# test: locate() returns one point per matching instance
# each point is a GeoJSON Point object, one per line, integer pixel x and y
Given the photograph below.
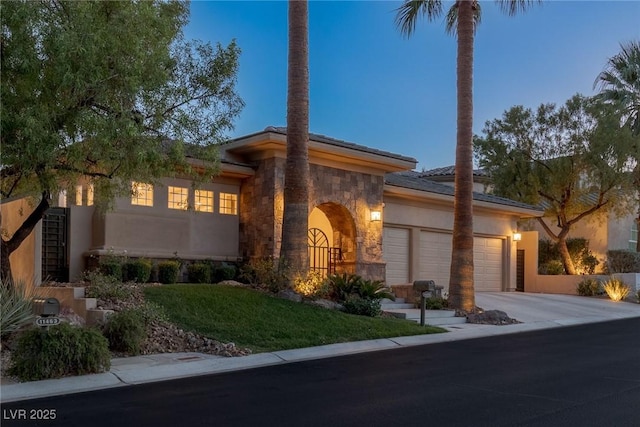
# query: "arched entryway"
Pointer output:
{"type": "Point", "coordinates": [332, 239]}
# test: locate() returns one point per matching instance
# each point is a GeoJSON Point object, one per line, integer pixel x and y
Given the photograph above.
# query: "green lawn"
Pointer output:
{"type": "Point", "coordinates": [264, 323]}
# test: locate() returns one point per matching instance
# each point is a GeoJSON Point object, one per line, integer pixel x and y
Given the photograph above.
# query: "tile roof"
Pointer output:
{"type": "Point", "coordinates": [344, 144]}
{"type": "Point", "coordinates": [450, 171]}
{"type": "Point", "coordinates": [415, 181]}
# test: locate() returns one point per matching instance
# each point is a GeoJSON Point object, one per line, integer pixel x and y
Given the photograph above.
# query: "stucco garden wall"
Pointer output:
{"type": "Point", "coordinates": [26, 262]}
{"type": "Point", "coordinates": [565, 284]}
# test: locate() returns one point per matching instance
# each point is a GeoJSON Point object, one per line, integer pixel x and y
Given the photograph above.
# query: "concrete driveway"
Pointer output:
{"type": "Point", "coordinates": [561, 309]}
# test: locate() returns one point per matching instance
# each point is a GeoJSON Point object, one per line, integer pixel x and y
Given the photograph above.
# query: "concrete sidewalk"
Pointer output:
{"type": "Point", "coordinates": [536, 311]}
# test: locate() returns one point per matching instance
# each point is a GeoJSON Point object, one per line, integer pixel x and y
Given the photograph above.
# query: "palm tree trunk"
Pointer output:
{"type": "Point", "coordinates": [461, 291]}
{"type": "Point", "coordinates": [295, 224]}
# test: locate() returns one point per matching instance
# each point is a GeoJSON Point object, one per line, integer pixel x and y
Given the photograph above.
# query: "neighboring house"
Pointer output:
{"type": "Point", "coordinates": [369, 214]}
{"type": "Point", "coordinates": [603, 231]}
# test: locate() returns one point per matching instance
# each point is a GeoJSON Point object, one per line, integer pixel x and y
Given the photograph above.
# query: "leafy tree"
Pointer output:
{"type": "Point", "coordinates": [109, 92]}
{"type": "Point", "coordinates": [572, 160]}
{"type": "Point", "coordinates": [620, 86]}
{"type": "Point", "coordinates": [462, 19]}
{"type": "Point", "coordinates": [296, 179]}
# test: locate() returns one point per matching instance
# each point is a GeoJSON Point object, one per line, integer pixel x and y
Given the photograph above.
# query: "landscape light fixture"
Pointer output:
{"type": "Point", "coordinates": [376, 215]}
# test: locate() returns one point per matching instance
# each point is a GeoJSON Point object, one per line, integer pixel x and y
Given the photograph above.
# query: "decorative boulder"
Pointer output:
{"type": "Point", "coordinates": [491, 317]}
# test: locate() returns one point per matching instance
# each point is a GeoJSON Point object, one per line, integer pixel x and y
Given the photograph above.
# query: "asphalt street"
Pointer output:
{"type": "Point", "coordinates": [584, 375]}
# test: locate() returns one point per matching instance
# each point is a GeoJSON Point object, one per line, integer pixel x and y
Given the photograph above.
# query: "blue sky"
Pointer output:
{"type": "Point", "coordinates": [372, 86]}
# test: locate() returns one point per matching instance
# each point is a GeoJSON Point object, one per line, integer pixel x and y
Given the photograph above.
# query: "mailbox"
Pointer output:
{"type": "Point", "coordinates": [46, 307]}
{"type": "Point", "coordinates": [424, 285]}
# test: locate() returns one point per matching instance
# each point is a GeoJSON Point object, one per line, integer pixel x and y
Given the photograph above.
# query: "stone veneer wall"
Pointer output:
{"type": "Point", "coordinates": [257, 212]}
{"type": "Point", "coordinates": [346, 197]}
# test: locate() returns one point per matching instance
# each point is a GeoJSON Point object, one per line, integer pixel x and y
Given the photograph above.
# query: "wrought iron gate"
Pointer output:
{"type": "Point", "coordinates": [322, 258]}
{"type": "Point", "coordinates": [55, 260]}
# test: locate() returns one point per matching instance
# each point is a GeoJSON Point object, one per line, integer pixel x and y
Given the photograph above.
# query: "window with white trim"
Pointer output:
{"type": "Point", "coordinates": [178, 198]}
{"type": "Point", "coordinates": [141, 194]}
{"type": "Point", "coordinates": [204, 201]}
{"type": "Point", "coordinates": [633, 241]}
{"type": "Point", "coordinates": [228, 204]}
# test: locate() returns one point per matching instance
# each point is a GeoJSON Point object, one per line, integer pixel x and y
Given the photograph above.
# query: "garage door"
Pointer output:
{"type": "Point", "coordinates": [395, 250]}
{"type": "Point", "coordinates": [435, 260]}
{"type": "Point", "coordinates": [487, 264]}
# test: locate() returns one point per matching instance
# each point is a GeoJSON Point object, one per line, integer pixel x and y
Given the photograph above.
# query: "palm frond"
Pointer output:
{"type": "Point", "coordinates": [512, 7]}
{"type": "Point", "coordinates": [619, 84]}
{"type": "Point", "coordinates": [407, 14]}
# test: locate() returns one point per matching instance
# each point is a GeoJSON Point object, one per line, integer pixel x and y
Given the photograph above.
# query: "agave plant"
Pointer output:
{"type": "Point", "coordinates": [15, 306]}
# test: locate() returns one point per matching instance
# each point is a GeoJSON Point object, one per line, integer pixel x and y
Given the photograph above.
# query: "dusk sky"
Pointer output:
{"type": "Point", "coordinates": [372, 86]}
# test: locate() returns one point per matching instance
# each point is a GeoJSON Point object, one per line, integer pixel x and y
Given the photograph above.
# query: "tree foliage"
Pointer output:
{"type": "Point", "coordinates": [573, 160]}
{"type": "Point", "coordinates": [108, 92]}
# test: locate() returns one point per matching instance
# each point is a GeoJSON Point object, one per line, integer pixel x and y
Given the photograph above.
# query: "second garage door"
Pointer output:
{"type": "Point", "coordinates": [435, 260]}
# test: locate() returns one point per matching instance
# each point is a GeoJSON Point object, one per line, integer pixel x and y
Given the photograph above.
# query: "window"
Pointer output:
{"type": "Point", "coordinates": [228, 204]}
{"type": "Point", "coordinates": [141, 194]}
{"type": "Point", "coordinates": [90, 195]}
{"type": "Point", "coordinates": [178, 198]}
{"type": "Point", "coordinates": [84, 195]}
{"type": "Point", "coordinates": [78, 195]}
{"type": "Point", "coordinates": [62, 199]}
{"type": "Point", "coordinates": [204, 201]}
{"type": "Point", "coordinates": [634, 236]}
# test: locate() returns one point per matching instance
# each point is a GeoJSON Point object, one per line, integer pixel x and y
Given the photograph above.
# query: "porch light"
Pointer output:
{"type": "Point", "coordinates": [517, 237]}
{"type": "Point", "coordinates": [376, 215]}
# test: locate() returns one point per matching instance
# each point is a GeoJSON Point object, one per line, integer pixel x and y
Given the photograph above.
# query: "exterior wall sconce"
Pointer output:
{"type": "Point", "coordinates": [517, 237]}
{"type": "Point", "coordinates": [376, 215]}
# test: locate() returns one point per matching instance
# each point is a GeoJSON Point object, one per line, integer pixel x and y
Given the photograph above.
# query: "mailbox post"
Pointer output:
{"type": "Point", "coordinates": [427, 289]}
{"type": "Point", "coordinates": [46, 310]}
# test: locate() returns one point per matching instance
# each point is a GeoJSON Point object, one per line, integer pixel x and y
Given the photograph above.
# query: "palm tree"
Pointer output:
{"type": "Point", "coordinates": [295, 222]}
{"type": "Point", "coordinates": [461, 20]}
{"type": "Point", "coordinates": [620, 86]}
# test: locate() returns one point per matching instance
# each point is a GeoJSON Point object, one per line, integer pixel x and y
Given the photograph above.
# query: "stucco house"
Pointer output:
{"type": "Point", "coordinates": [370, 213]}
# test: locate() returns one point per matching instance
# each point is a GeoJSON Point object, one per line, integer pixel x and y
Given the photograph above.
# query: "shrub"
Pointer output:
{"type": "Point", "coordinates": [435, 303]}
{"type": "Point", "coordinates": [272, 273]}
{"type": "Point", "coordinates": [16, 308]}
{"type": "Point", "coordinates": [312, 285]}
{"type": "Point", "coordinates": [616, 289]}
{"type": "Point", "coordinates": [622, 261]}
{"type": "Point", "coordinates": [374, 289]}
{"type": "Point", "coordinates": [125, 331]}
{"type": "Point", "coordinates": [549, 259]}
{"type": "Point", "coordinates": [112, 269]}
{"type": "Point", "coordinates": [343, 285]}
{"type": "Point", "coordinates": [199, 272]}
{"type": "Point", "coordinates": [106, 287]}
{"type": "Point", "coordinates": [59, 351]}
{"type": "Point", "coordinates": [223, 272]}
{"type": "Point", "coordinates": [553, 267]}
{"type": "Point", "coordinates": [638, 296]}
{"type": "Point", "coordinates": [589, 287]}
{"type": "Point", "coordinates": [138, 270]}
{"type": "Point", "coordinates": [355, 304]}
{"type": "Point", "coordinates": [168, 272]}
